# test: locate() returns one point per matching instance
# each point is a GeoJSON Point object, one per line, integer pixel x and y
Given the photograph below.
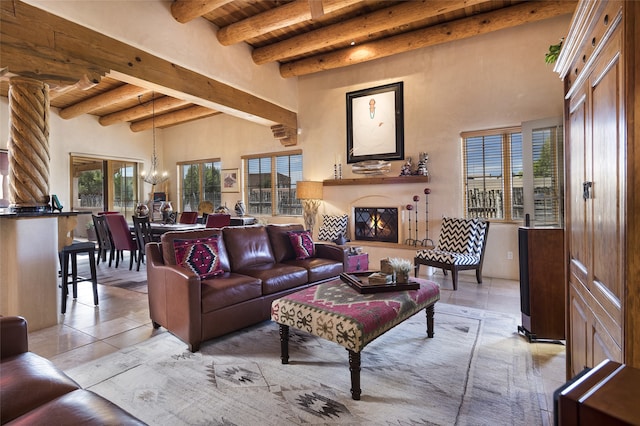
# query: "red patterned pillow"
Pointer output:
{"type": "Point", "coordinates": [302, 243]}
{"type": "Point", "coordinates": [199, 255]}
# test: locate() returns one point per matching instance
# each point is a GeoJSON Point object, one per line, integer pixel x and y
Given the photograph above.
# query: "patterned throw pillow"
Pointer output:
{"type": "Point", "coordinates": [199, 255]}
{"type": "Point", "coordinates": [302, 243]}
{"type": "Point", "coordinates": [332, 227]}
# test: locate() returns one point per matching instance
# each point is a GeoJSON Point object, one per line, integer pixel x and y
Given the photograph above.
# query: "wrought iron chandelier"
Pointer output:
{"type": "Point", "coordinates": [153, 177]}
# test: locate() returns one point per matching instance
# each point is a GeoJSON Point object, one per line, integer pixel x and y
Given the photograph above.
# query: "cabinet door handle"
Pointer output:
{"type": "Point", "coordinates": [586, 190]}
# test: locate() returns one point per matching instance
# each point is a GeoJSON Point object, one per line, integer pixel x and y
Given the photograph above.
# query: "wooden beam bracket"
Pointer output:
{"type": "Point", "coordinates": [286, 135]}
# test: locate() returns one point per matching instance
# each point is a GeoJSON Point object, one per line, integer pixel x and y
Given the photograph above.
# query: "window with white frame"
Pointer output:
{"type": "Point", "coordinates": [199, 181]}
{"type": "Point", "coordinates": [511, 172]}
{"type": "Point", "coordinates": [270, 183]}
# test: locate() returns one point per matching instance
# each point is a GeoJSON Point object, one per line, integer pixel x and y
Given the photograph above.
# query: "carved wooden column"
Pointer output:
{"type": "Point", "coordinates": [28, 144]}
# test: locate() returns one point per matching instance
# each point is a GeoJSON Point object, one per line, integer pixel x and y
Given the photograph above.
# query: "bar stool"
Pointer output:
{"type": "Point", "coordinates": [70, 252]}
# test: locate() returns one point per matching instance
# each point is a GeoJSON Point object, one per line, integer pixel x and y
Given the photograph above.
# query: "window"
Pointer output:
{"type": "Point", "coordinates": [271, 183]}
{"type": "Point", "coordinates": [512, 172]}
{"type": "Point", "coordinates": [548, 180]}
{"type": "Point", "coordinates": [104, 184]}
{"type": "Point", "coordinates": [199, 181]}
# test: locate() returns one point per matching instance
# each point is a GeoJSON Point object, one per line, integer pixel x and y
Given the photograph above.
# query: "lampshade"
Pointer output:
{"type": "Point", "coordinates": [309, 190]}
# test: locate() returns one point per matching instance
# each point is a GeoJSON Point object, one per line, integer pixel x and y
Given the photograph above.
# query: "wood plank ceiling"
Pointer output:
{"type": "Point", "coordinates": [304, 37]}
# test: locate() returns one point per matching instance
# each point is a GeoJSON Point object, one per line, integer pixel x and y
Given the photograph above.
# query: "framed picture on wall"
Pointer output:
{"type": "Point", "coordinates": [375, 123]}
{"type": "Point", "coordinates": [230, 180]}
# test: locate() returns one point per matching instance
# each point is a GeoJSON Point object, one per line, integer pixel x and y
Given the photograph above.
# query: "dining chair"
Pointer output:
{"type": "Point", "coordinates": [218, 220]}
{"type": "Point", "coordinates": [105, 243]}
{"type": "Point", "coordinates": [142, 231]}
{"type": "Point", "coordinates": [205, 207]}
{"type": "Point", "coordinates": [188, 218]}
{"type": "Point", "coordinates": [123, 239]}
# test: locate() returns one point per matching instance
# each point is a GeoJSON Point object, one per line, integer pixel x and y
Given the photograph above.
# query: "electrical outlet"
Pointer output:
{"type": "Point", "coordinates": [509, 255]}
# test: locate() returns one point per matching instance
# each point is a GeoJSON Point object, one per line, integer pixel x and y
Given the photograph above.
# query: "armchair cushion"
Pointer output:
{"type": "Point", "coordinates": [458, 235]}
{"type": "Point", "coordinates": [332, 227]}
{"type": "Point", "coordinates": [200, 255]}
{"type": "Point", "coordinates": [448, 257]}
{"type": "Point", "coordinates": [302, 243]}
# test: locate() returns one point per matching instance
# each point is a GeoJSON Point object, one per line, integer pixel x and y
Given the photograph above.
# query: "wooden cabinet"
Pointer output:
{"type": "Point", "coordinates": [599, 66]}
{"type": "Point", "coordinates": [542, 292]}
{"type": "Point", "coordinates": [606, 395]}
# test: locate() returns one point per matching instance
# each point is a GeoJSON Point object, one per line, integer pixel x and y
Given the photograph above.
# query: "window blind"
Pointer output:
{"type": "Point", "coordinates": [547, 175]}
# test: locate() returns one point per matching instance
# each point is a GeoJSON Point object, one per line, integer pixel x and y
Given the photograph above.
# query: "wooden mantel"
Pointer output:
{"type": "Point", "coordinates": [376, 180]}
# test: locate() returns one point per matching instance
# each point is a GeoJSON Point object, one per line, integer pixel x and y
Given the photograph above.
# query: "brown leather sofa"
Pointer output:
{"type": "Point", "coordinates": [259, 265]}
{"type": "Point", "coordinates": [36, 392]}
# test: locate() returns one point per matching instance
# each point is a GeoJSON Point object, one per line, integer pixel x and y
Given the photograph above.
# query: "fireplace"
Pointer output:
{"type": "Point", "coordinates": [376, 224]}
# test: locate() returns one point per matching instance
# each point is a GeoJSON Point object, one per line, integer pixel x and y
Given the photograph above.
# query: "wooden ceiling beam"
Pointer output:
{"type": "Point", "coordinates": [160, 105]}
{"type": "Point", "coordinates": [275, 19]}
{"type": "Point", "coordinates": [53, 49]}
{"type": "Point", "coordinates": [394, 16]}
{"type": "Point", "coordinates": [464, 28]}
{"type": "Point", "coordinates": [102, 100]}
{"type": "Point", "coordinates": [187, 10]}
{"type": "Point", "coordinates": [173, 118]}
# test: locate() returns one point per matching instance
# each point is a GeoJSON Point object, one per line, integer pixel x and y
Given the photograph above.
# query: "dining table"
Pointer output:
{"type": "Point", "coordinates": [159, 228]}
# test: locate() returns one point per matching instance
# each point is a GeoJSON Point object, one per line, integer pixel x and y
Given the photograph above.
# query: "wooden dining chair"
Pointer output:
{"type": "Point", "coordinates": [105, 243]}
{"type": "Point", "coordinates": [123, 239]}
{"type": "Point", "coordinates": [142, 231]}
{"type": "Point", "coordinates": [188, 218]}
{"type": "Point", "coordinates": [218, 220]}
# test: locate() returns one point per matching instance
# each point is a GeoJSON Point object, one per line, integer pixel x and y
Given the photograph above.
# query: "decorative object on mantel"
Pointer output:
{"type": "Point", "coordinates": [310, 193]}
{"type": "Point", "coordinates": [422, 165]}
{"type": "Point", "coordinates": [409, 241]}
{"type": "Point", "coordinates": [413, 241]}
{"type": "Point", "coordinates": [371, 167]}
{"type": "Point", "coordinates": [337, 167]}
{"type": "Point", "coordinates": [406, 168]}
{"type": "Point", "coordinates": [427, 241]}
{"type": "Point", "coordinates": [153, 177]}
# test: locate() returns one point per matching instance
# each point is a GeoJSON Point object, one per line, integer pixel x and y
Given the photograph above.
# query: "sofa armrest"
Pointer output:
{"type": "Point", "coordinates": [175, 297]}
{"type": "Point", "coordinates": [13, 336]}
{"type": "Point", "coordinates": [334, 252]}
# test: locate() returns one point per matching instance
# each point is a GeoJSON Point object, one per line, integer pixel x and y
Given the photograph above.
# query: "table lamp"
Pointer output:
{"type": "Point", "coordinates": [310, 193]}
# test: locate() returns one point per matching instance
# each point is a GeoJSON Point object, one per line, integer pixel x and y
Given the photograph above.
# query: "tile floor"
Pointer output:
{"type": "Point", "coordinates": [122, 319]}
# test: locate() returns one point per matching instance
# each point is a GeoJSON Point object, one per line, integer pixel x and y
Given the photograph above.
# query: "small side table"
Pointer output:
{"type": "Point", "coordinates": [358, 262]}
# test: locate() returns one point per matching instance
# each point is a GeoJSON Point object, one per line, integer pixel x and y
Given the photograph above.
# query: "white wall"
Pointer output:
{"type": "Point", "coordinates": [495, 80]}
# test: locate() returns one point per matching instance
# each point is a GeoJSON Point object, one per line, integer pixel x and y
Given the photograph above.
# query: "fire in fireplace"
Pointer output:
{"type": "Point", "coordinates": [376, 224]}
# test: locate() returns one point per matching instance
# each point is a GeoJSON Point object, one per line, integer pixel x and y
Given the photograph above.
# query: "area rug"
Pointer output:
{"type": "Point", "coordinates": [476, 370]}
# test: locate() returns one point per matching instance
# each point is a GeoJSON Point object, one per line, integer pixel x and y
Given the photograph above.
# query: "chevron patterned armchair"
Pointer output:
{"type": "Point", "coordinates": [460, 247]}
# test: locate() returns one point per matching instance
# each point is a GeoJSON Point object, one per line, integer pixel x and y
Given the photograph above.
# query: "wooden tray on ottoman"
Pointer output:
{"type": "Point", "coordinates": [360, 283]}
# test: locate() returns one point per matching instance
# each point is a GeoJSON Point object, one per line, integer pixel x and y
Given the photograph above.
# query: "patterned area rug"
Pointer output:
{"type": "Point", "coordinates": [477, 370]}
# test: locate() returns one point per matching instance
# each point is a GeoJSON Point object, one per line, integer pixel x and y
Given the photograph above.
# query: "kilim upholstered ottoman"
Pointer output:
{"type": "Point", "coordinates": [339, 313]}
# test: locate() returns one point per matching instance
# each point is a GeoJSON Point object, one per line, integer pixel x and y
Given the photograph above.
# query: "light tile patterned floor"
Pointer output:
{"type": "Point", "coordinates": [122, 319]}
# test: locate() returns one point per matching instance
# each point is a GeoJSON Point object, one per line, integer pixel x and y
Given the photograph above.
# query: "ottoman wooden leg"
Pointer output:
{"type": "Point", "coordinates": [430, 310]}
{"type": "Point", "coordinates": [284, 343]}
{"type": "Point", "coordinates": [354, 367]}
